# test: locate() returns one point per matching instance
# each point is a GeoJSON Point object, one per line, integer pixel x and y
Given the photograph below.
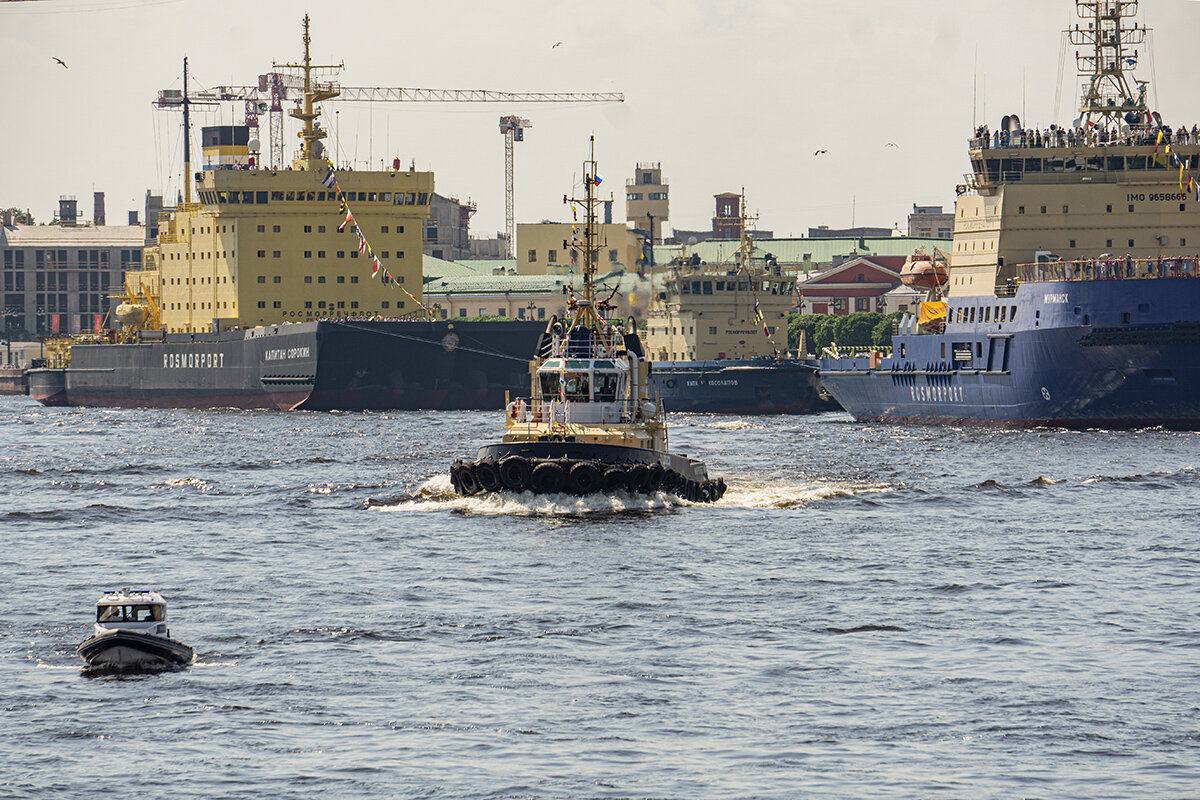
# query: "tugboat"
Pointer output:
{"type": "Point", "coordinates": [131, 631]}
{"type": "Point", "coordinates": [589, 425]}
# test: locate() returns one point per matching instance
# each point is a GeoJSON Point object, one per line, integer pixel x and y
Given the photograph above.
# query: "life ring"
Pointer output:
{"type": "Point", "coordinates": [488, 475]}
{"type": "Point", "coordinates": [547, 478]}
{"type": "Point", "coordinates": [584, 478]}
{"type": "Point", "coordinates": [467, 480]}
{"type": "Point", "coordinates": [516, 410]}
{"type": "Point", "coordinates": [514, 473]}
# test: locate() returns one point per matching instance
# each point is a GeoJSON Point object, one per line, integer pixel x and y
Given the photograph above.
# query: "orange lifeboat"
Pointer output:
{"type": "Point", "coordinates": [921, 271]}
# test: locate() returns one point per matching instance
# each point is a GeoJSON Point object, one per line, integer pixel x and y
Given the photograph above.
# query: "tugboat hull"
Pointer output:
{"type": "Point", "coordinates": [126, 649]}
{"type": "Point", "coordinates": [582, 468]}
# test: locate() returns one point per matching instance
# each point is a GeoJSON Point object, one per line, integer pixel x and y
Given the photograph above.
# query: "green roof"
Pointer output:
{"type": "Point", "coordinates": [438, 268]}
{"type": "Point", "coordinates": [793, 251]}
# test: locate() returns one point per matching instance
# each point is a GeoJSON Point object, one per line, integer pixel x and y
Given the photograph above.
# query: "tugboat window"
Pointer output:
{"type": "Point", "coordinates": [606, 386]}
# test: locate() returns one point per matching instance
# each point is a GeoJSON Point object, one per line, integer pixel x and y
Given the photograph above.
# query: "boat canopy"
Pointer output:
{"type": "Point", "coordinates": [583, 379]}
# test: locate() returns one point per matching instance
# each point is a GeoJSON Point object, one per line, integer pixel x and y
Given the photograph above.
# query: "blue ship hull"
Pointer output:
{"type": "Point", "coordinates": [1094, 353]}
{"type": "Point", "coordinates": [744, 386]}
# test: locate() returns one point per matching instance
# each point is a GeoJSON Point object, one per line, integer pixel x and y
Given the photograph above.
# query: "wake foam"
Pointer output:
{"type": "Point", "coordinates": [437, 494]}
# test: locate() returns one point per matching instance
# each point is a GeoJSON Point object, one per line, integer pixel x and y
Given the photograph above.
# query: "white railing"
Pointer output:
{"type": "Point", "coordinates": [538, 411]}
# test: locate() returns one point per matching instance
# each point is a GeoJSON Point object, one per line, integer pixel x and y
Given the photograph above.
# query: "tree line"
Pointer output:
{"type": "Point", "coordinates": [860, 329]}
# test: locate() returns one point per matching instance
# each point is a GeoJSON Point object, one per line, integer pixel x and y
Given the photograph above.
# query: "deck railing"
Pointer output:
{"type": "Point", "coordinates": [1110, 269]}
{"type": "Point", "coordinates": [534, 411]}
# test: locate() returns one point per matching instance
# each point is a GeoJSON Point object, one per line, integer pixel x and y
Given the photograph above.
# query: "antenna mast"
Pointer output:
{"type": "Point", "coordinates": [314, 93]}
{"type": "Point", "coordinates": [1106, 60]}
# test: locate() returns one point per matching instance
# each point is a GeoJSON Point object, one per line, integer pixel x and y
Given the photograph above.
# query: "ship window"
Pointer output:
{"type": "Point", "coordinates": [1072, 244]}
{"type": "Point", "coordinates": [410, 199]}
{"type": "Point", "coordinates": [1108, 242]}
{"type": "Point", "coordinates": [262, 228]}
{"type": "Point", "coordinates": [341, 303]}
{"type": "Point", "coordinates": [275, 304]}
{"type": "Point", "coordinates": [1108, 209]}
{"type": "Point", "coordinates": [1003, 314]}
{"type": "Point", "coordinates": [462, 312]}
{"type": "Point", "coordinates": [308, 303]}
{"type": "Point", "coordinates": [308, 228]}
{"type": "Point", "coordinates": [612, 255]}
{"type": "Point", "coordinates": [354, 279]}
{"type": "Point", "coordinates": [320, 279]}
{"type": "Point", "coordinates": [311, 196]}
{"type": "Point", "coordinates": [261, 198]}
{"type": "Point", "coordinates": [1066, 209]}
{"type": "Point", "coordinates": [341, 278]}
{"type": "Point", "coordinates": [248, 198]}
{"type": "Point", "coordinates": [607, 384]}
{"type": "Point", "coordinates": [385, 197]}
{"type": "Point", "coordinates": [400, 254]}
{"type": "Point", "coordinates": [371, 196]}
{"type": "Point", "coordinates": [685, 288]}
{"type": "Point", "coordinates": [1043, 209]}
{"type": "Point", "coordinates": [1183, 207]}
{"type": "Point", "coordinates": [320, 304]}
{"type": "Point", "coordinates": [1013, 313]}
{"type": "Point", "coordinates": [354, 304]}
{"type": "Point", "coordinates": [274, 229]}
{"type": "Point", "coordinates": [979, 349]}
{"type": "Point", "coordinates": [712, 330]}
{"type": "Point", "coordinates": [423, 199]}
{"type": "Point", "coordinates": [341, 253]}
{"type": "Point", "coordinates": [274, 254]}
{"type": "Point", "coordinates": [1124, 317]}
{"type": "Point", "coordinates": [308, 253]}
{"type": "Point", "coordinates": [1131, 208]}
{"type": "Point", "coordinates": [1183, 242]}
{"type": "Point", "coordinates": [262, 278]}
{"type": "Point", "coordinates": [987, 314]}
{"type": "Point", "coordinates": [1131, 242]}
{"type": "Point", "coordinates": [1020, 209]}
{"type": "Point", "coordinates": [708, 287]}
{"type": "Point", "coordinates": [262, 253]}
{"type": "Point", "coordinates": [262, 303]}
{"type": "Point", "coordinates": [276, 195]}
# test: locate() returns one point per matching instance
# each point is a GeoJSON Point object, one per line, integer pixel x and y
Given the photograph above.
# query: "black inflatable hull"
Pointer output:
{"type": "Point", "coordinates": [553, 467]}
{"type": "Point", "coordinates": [121, 649]}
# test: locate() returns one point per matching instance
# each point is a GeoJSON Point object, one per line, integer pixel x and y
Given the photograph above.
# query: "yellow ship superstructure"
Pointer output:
{"type": "Point", "coordinates": [267, 246]}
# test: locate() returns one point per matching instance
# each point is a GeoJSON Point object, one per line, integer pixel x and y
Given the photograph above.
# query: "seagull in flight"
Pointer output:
{"type": "Point", "coordinates": [556, 44]}
{"type": "Point", "coordinates": [819, 152]}
{"type": "Point", "coordinates": [60, 61]}
{"type": "Point", "coordinates": [892, 144]}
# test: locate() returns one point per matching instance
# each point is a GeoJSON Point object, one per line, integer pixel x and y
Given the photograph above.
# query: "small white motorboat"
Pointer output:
{"type": "Point", "coordinates": [131, 631]}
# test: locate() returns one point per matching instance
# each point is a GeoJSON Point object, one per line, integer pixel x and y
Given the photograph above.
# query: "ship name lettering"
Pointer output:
{"type": "Point", "coordinates": [284, 353]}
{"type": "Point", "coordinates": [726, 382]}
{"type": "Point", "coordinates": [193, 360]}
{"type": "Point", "coordinates": [1055, 298]}
{"type": "Point", "coordinates": [936, 394]}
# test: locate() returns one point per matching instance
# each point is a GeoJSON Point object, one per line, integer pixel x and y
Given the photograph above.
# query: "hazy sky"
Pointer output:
{"type": "Point", "coordinates": [724, 93]}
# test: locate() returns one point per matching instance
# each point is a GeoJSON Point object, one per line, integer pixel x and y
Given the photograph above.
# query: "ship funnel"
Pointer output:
{"type": "Point", "coordinates": [1013, 123]}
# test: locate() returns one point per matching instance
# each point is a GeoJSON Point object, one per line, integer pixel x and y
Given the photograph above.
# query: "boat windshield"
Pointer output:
{"type": "Point", "coordinates": [607, 385]}
{"type": "Point", "coordinates": [131, 613]}
{"type": "Point", "coordinates": [572, 385]}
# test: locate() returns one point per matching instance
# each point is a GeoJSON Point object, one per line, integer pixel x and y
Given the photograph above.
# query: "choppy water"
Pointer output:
{"type": "Point", "coordinates": [882, 612]}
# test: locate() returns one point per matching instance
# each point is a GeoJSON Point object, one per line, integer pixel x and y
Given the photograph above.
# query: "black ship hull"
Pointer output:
{"type": "Point", "coordinates": [317, 366]}
{"type": "Point", "coordinates": [748, 386]}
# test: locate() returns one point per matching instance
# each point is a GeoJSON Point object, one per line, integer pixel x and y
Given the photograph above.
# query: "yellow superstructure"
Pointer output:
{"type": "Point", "coordinates": [263, 246]}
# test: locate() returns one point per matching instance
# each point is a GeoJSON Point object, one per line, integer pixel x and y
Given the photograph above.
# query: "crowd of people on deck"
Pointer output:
{"type": "Point", "coordinates": [1086, 136]}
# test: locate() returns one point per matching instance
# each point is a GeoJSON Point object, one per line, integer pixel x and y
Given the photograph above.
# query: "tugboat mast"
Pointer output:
{"type": "Point", "coordinates": [586, 315]}
{"type": "Point", "coordinates": [1106, 62]}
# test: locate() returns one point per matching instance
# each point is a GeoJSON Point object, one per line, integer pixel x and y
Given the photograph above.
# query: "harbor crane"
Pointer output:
{"type": "Point", "coordinates": [276, 87]}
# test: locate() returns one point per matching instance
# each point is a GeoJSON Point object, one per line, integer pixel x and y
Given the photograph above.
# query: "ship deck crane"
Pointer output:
{"type": "Point", "coordinates": [274, 87]}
